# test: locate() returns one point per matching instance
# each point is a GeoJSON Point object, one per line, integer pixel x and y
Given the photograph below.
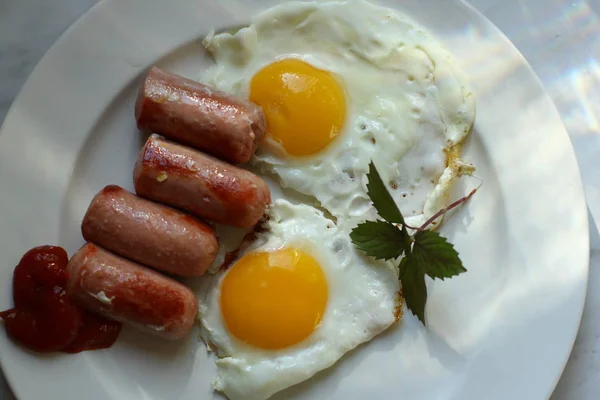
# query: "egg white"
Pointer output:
{"type": "Point", "coordinates": [408, 109]}
{"type": "Point", "coordinates": [363, 301]}
{"type": "Point", "coordinates": [407, 102]}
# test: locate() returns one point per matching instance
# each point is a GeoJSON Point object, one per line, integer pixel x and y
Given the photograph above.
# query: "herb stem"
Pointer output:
{"type": "Point", "coordinates": [446, 209]}
{"type": "Point", "coordinates": [409, 227]}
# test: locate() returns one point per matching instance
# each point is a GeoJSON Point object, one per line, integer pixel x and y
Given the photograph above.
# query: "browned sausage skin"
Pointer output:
{"type": "Point", "coordinates": [151, 234]}
{"type": "Point", "coordinates": [203, 185]}
{"type": "Point", "coordinates": [199, 116]}
{"type": "Point", "coordinates": [125, 291]}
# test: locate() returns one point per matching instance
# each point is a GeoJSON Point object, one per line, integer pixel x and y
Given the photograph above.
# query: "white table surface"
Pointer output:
{"type": "Point", "coordinates": [561, 40]}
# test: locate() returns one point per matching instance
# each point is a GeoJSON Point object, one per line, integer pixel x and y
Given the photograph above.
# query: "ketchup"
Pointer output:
{"type": "Point", "coordinates": [96, 333]}
{"type": "Point", "coordinates": [44, 319]}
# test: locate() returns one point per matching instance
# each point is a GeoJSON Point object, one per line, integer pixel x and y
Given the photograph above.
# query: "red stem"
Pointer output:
{"type": "Point", "coordinates": [445, 210]}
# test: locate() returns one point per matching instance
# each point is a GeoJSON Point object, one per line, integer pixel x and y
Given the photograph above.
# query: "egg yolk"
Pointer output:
{"type": "Point", "coordinates": [304, 106]}
{"type": "Point", "coordinates": [273, 300]}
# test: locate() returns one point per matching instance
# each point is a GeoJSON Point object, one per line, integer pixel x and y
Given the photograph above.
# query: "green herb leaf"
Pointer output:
{"type": "Point", "coordinates": [426, 252]}
{"type": "Point", "coordinates": [414, 289]}
{"type": "Point", "coordinates": [381, 198]}
{"type": "Point", "coordinates": [436, 256]}
{"type": "Point", "coordinates": [380, 239]}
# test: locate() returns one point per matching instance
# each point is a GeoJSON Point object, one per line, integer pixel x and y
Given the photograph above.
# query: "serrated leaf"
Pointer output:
{"type": "Point", "coordinates": [436, 256]}
{"type": "Point", "coordinates": [379, 239]}
{"type": "Point", "coordinates": [414, 288]}
{"type": "Point", "coordinates": [381, 198]}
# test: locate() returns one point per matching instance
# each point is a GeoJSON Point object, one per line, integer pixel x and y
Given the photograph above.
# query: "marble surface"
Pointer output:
{"type": "Point", "coordinates": [561, 40]}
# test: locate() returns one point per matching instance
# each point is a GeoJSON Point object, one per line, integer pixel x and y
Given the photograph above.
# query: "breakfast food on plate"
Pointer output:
{"type": "Point", "coordinates": [125, 291]}
{"type": "Point", "coordinates": [199, 116]}
{"type": "Point", "coordinates": [342, 86]}
{"type": "Point", "coordinates": [149, 233]}
{"type": "Point", "coordinates": [44, 317]}
{"type": "Point", "coordinates": [200, 184]}
{"type": "Point", "coordinates": [295, 302]}
{"type": "Point", "coordinates": [78, 305]}
{"type": "Point", "coordinates": [343, 83]}
{"type": "Point", "coordinates": [95, 333]}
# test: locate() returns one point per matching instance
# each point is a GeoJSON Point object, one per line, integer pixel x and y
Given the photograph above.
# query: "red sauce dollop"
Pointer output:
{"type": "Point", "coordinates": [96, 333]}
{"type": "Point", "coordinates": [44, 319]}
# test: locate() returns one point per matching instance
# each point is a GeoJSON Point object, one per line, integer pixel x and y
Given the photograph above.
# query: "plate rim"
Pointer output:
{"type": "Point", "coordinates": [56, 47]}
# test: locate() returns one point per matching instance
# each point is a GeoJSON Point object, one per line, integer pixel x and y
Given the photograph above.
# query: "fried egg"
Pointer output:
{"type": "Point", "coordinates": [343, 83]}
{"type": "Point", "coordinates": [294, 303]}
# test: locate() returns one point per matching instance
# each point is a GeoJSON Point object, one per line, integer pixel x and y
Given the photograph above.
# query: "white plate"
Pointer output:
{"type": "Point", "coordinates": [502, 331]}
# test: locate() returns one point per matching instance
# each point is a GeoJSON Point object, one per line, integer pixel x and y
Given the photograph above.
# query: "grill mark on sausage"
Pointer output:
{"type": "Point", "coordinates": [154, 304]}
{"type": "Point", "coordinates": [112, 189]}
{"type": "Point", "coordinates": [160, 158]}
{"type": "Point", "coordinates": [222, 184]}
{"type": "Point", "coordinates": [136, 295]}
{"type": "Point", "coordinates": [199, 116]}
{"type": "Point", "coordinates": [199, 183]}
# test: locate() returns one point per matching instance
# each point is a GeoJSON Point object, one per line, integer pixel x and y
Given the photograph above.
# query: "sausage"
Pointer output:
{"type": "Point", "coordinates": [148, 233]}
{"type": "Point", "coordinates": [200, 184]}
{"type": "Point", "coordinates": [127, 292]}
{"type": "Point", "coordinates": [199, 116]}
